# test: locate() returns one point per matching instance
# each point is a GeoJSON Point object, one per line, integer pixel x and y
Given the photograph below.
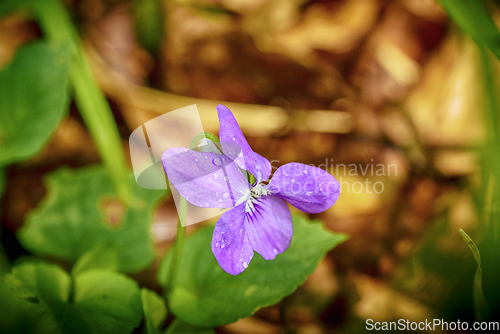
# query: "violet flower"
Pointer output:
{"type": "Point", "coordinates": [259, 219]}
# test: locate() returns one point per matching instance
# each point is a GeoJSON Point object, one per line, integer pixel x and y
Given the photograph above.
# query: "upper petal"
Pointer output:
{"type": "Point", "coordinates": [236, 146]}
{"type": "Point", "coordinates": [230, 243]}
{"type": "Point", "coordinates": [205, 179]}
{"type": "Point", "coordinates": [269, 226]}
{"type": "Point", "coordinates": [310, 189]}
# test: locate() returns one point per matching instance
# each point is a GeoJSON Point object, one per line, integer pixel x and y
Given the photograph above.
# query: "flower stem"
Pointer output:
{"type": "Point", "coordinates": [178, 245]}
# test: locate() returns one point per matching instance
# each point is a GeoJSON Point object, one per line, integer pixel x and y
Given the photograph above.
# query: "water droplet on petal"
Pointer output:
{"type": "Point", "coordinates": [195, 160]}
{"type": "Point", "coordinates": [234, 138]}
{"type": "Point", "coordinates": [304, 171]}
{"type": "Point", "coordinates": [222, 246]}
{"type": "Point", "coordinates": [220, 200]}
{"type": "Point", "coordinates": [245, 265]}
{"type": "Point", "coordinates": [216, 176]}
{"type": "Point", "coordinates": [293, 180]}
{"type": "Point", "coordinates": [187, 197]}
{"type": "Point", "coordinates": [207, 205]}
{"type": "Point", "coordinates": [217, 244]}
{"type": "Point", "coordinates": [309, 193]}
{"type": "Point", "coordinates": [275, 251]}
{"type": "Point", "coordinates": [225, 195]}
{"type": "Point", "coordinates": [205, 157]}
{"type": "Point", "coordinates": [217, 161]}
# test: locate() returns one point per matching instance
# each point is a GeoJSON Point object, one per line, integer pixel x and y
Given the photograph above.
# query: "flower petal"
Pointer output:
{"type": "Point", "coordinates": [205, 179]}
{"type": "Point", "coordinates": [269, 226]}
{"type": "Point", "coordinates": [230, 243]}
{"type": "Point", "coordinates": [310, 189]}
{"type": "Point", "coordinates": [230, 134]}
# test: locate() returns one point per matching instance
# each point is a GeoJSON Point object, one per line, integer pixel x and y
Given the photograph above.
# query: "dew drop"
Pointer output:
{"type": "Point", "coordinates": [217, 244]}
{"type": "Point", "coordinates": [275, 251]}
{"type": "Point", "coordinates": [195, 160]}
{"type": "Point", "coordinates": [304, 171]}
{"type": "Point", "coordinates": [308, 193]}
{"type": "Point", "coordinates": [216, 176]}
{"type": "Point", "coordinates": [217, 161]}
{"type": "Point", "coordinates": [225, 195]}
{"type": "Point", "coordinates": [205, 157]}
{"type": "Point", "coordinates": [234, 138]}
{"type": "Point", "coordinates": [225, 178]}
{"type": "Point", "coordinates": [245, 265]}
{"type": "Point", "coordinates": [293, 180]}
{"type": "Point", "coordinates": [187, 197]}
{"type": "Point", "coordinates": [207, 205]}
{"type": "Point", "coordinates": [220, 200]}
{"type": "Point", "coordinates": [222, 246]}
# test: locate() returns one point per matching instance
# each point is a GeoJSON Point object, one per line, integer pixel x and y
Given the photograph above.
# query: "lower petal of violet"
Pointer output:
{"type": "Point", "coordinates": [269, 226]}
{"type": "Point", "coordinates": [309, 189]}
{"type": "Point", "coordinates": [230, 243]}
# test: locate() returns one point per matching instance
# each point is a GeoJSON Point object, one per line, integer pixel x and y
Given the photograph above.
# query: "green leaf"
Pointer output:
{"type": "Point", "coordinates": [473, 18]}
{"type": "Point", "coordinates": [41, 281]}
{"type": "Point", "coordinates": [55, 21]}
{"type": "Point", "coordinates": [8, 6]}
{"type": "Point", "coordinates": [205, 295]}
{"type": "Point", "coordinates": [103, 255]}
{"type": "Point", "coordinates": [155, 310]}
{"type": "Point", "coordinates": [33, 99]}
{"type": "Point", "coordinates": [81, 210]}
{"type": "Point", "coordinates": [109, 301]}
{"type": "Point", "coordinates": [181, 327]}
{"type": "Point", "coordinates": [97, 301]}
{"type": "Point", "coordinates": [481, 307]}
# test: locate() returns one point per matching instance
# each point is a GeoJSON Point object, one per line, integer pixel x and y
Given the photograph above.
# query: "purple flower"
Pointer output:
{"type": "Point", "coordinates": [259, 219]}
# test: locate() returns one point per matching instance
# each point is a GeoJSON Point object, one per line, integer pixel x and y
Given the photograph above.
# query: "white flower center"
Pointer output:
{"type": "Point", "coordinates": [255, 193]}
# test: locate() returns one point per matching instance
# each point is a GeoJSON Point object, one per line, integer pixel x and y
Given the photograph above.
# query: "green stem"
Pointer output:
{"type": "Point", "coordinates": [91, 102]}
{"type": "Point", "coordinates": [178, 246]}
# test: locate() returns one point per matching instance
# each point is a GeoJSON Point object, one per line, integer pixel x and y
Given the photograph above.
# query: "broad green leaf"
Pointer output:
{"type": "Point", "coordinates": [33, 99]}
{"type": "Point", "coordinates": [180, 327]}
{"type": "Point", "coordinates": [205, 295]}
{"type": "Point", "coordinates": [97, 301]}
{"type": "Point", "coordinates": [41, 281]}
{"type": "Point", "coordinates": [103, 255]}
{"type": "Point", "coordinates": [481, 307]}
{"type": "Point", "coordinates": [109, 301]}
{"type": "Point", "coordinates": [155, 310]}
{"type": "Point", "coordinates": [81, 210]}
